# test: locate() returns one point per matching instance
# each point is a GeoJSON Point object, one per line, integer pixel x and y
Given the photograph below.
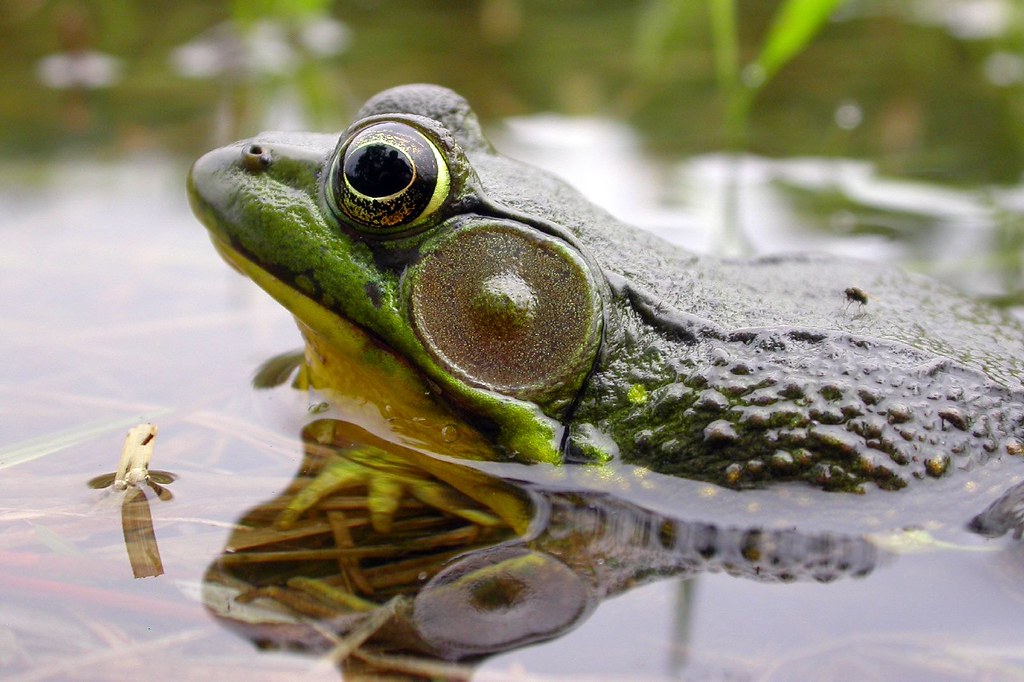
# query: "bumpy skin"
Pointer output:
{"type": "Point", "coordinates": [735, 372]}
{"type": "Point", "coordinates": [757, 370]}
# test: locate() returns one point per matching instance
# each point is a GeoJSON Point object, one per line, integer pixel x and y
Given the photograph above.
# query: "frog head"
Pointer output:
{"type": "Point", "coordinates": [394, 249]}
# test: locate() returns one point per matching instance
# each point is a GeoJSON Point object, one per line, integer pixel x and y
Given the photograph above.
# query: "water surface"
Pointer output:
{"type": "Point", "coordinates": [115, 310]}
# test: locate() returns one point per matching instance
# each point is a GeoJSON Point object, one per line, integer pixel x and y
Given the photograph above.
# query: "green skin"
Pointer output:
{"type": "Point", "coordinates": [730, 371]}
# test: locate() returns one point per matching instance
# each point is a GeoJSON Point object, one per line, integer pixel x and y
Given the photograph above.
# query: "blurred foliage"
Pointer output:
{"type": "Point", "coordinates": [677, 71]}
{"type": "Point", "coordinates": [793, 27]}
{"type": "Point", "coordinates": [919, 87]}
{"type": "Point", "coordinates": [247, 11]}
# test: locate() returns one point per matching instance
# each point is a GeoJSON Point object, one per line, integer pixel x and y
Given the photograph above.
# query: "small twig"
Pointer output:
{"type": "Point", "coordinates": [403, 573]}
{"type": "Point", "coordinates": [342, 538]}
{"type": "Point", "coordinates": [296, 600]}
{"type": "Point", "coordinates": [355, 639]}
{"type": "Point", "coordinates": [328, 594]}
{"type": "Point", "coordinates": [250, 538]}
{"type": "Point", "coordinates": [459, 536]}
{"type": "Point", "coordinates": [423, 667]}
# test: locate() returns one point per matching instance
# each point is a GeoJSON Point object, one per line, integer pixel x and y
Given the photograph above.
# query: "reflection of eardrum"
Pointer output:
{"type": "Point", "coordinates": [499, 599]}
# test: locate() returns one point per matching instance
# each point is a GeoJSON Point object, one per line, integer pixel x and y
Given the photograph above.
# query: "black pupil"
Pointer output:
{"type": "Point", "coordinates": [378, 170]}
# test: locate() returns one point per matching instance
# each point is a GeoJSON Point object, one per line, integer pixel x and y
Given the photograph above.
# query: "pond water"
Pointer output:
{"type": "Point", "coordinates": [894, 137]}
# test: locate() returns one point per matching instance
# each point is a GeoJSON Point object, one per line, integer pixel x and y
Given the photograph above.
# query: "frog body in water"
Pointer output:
{"type": "Point", "coordinates": [487, 310]}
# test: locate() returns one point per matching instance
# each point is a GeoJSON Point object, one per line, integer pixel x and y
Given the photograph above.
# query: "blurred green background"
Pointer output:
{"type": "Point", "coordinates": [926, 88]}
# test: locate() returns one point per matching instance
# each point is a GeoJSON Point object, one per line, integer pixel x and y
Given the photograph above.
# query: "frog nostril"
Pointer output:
{"type": "Point", "coordinates": [255, 158]}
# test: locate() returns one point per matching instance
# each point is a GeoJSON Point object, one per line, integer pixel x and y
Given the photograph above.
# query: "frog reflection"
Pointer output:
{"type": "Point", "coordinates": [434, 572]}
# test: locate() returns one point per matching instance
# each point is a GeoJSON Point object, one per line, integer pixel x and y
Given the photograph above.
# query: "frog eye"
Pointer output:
{"type": "Point", "coordinates": [508, 310]}
{"type": "Point", "coordinates": [387, 178]}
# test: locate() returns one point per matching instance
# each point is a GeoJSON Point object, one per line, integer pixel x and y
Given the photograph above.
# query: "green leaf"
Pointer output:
{"type": "Point", "coordinates": [249, 11]}
{"type": "Point", "coordinates": [726, 42]}
{"type": "Point", "coordinates": [796, 23]}
{"type": "Point", "coordinates": [659, 23]}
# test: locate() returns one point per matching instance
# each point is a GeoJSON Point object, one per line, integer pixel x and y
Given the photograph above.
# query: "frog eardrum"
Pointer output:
{"type": "Point", "coordinates": [387, 178]}
{"type": "Point", "coordinates": [507, 308]}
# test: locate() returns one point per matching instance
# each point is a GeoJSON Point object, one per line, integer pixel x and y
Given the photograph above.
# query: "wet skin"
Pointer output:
{"type": "Point", "coordinates": [479, 307]}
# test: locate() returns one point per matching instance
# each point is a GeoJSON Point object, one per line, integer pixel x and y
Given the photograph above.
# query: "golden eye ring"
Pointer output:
{"type": "Point", "coordinates": [387, 178]}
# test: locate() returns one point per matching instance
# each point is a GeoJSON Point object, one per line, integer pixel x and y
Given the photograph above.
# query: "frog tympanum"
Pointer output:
{"type": "Point", "coordinates": [481, 308]}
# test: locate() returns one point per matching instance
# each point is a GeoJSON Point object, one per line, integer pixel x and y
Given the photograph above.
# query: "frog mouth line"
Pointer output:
{"type": "Point", "coordinates": [230, 256]}
{"type": "Point", "coordinates": [407, 388]}
{"type": "Point", "coordinates": [289, 297]}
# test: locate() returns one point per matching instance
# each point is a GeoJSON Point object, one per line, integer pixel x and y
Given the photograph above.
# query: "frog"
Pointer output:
{"type": "Point", "coordinates": [478, 307]}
